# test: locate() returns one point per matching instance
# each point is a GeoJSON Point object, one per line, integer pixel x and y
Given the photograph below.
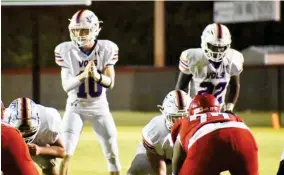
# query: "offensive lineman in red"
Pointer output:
{"type": "Point", "coordinates": [15, 156]}
{"type": "Point", "coordinates": [209, 142]}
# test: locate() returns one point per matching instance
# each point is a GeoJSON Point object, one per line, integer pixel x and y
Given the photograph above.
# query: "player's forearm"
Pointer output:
{"type": "Point", "coordinates": [104, 80]}
{"type": "Point", "coordinates": [178, 158]}
{"type": "Point", "coordinates": [157, 163]}
{"type": "Point", "coordinates": [159, 168]}
{"type": "Point", "coordinates": [234, 90]}
{"type": "Point", "coordinates": [55, 151]}
{"type": "Point", "coordinates": [69, 82]}
{"type": "Point", "coordinates": [183, 80]}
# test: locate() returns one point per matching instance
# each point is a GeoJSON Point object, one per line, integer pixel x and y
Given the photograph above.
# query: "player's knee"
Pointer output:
{"type": "Point", "coordinates": [70, 141]}
{"type": "Point", "coordinates": [113, 164]}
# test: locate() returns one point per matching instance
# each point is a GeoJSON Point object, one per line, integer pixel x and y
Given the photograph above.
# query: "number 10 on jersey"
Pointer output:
{"type": "Point", "coordinates": [95, 89]}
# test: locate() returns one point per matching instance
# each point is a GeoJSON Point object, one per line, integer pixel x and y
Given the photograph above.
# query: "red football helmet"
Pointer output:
{"type": "Point", "coordinates": [204, 103]}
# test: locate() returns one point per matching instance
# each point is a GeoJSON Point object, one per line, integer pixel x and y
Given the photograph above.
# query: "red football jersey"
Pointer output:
{"type": "Point", "coordinates": [15, 156]}
{"type": "Point", "coordinates": [190, 125]}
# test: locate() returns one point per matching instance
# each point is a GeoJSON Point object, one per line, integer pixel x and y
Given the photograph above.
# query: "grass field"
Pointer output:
{"type": "Point", "coordinates": [89, 160]}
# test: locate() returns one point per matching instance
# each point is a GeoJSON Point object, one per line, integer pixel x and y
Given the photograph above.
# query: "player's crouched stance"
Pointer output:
{"type": "Point", "coordinates": [40, 128]}
{"type": "Point", "coordinates": [154, 154]}
{"type": "Point", "coordinates": [210, 142]}
{"type": "Point", "coordinates": [15, 157]}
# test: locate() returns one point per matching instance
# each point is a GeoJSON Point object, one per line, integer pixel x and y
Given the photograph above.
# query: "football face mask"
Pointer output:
{"type": "Point", "coordinates": [84, 27]}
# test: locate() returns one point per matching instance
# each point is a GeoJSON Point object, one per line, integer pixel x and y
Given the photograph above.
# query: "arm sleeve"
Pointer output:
{"type": "Point", "coordinates": [23, 163]}
{"type": "Point", "coordinates": [68, 81]}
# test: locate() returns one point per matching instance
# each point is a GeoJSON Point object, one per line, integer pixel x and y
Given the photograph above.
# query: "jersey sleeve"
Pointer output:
{"type": "Point", "coordinates": [183, 62]}
{"type": "Point", "coordinates": [237, 64]}
{"type": "Point", "coordinates": [149, 134]}
{"type": "Point", "coordinates": [60, 56]}
{"type": "Point", "coordinates": [54, 124]}
{"type": "Point", "coordinates": [112, 56]}
{"type": "Point", "coordinates": [151, 140]}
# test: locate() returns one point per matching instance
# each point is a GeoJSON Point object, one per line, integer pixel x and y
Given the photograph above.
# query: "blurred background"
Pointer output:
{"type": "Point", "coordinates": [151, 36]}
{"type": "Point", "coordinates": [30, 34]}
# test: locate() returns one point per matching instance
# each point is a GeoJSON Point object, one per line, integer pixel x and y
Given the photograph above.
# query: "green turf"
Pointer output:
{"type": "Point", "coordinates": [89, 160]}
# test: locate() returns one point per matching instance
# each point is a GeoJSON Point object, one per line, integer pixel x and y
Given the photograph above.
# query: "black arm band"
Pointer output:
{"type": "Point", "coordinates": [101, 78]}
{"type": "Point", "coordinates": [100, 81]}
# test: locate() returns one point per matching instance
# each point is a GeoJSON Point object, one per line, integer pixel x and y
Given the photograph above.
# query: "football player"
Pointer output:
{"type": "Point", "coordinates": [213, 67]}
{"type": "Point", "coordinates": [210, 142]}
{"type": "Point", "coordinates": [87, 71]}
{"type": "Point", "coordinates": [15, 156]}
{"type": "Point", "coordinates": [40, 128]}
{"type": "Point", "coordinates": [14, 151]}
{"type": "Point", "coordinates": [154, 154]}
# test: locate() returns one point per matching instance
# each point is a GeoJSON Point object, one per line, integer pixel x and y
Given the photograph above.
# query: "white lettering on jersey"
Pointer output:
{"type": "Point", "coordinates": [208, 78]}
{"type": "Point", "coordinates": [70, 57]}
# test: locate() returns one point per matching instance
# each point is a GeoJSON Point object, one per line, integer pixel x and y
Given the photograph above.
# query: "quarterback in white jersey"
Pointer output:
{"type": "Point", "coordinates": [87, 70]}
{"type": "Point", "coordinates": [155, 152]}
{"type": "Point", "coordinates": [213, 67]}
{"type": "Point", "coordinates": [40, 128]}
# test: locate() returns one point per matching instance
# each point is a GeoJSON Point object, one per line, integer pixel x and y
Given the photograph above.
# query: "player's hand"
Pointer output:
{"type": "Point", "coordinates": [94, 72]}
{"type": "Point", "coordinates": [85, 73]}
{"type": "Point", "coordinates": [34, 149]}
{"type": "Point", "coordinates": [88, 68]}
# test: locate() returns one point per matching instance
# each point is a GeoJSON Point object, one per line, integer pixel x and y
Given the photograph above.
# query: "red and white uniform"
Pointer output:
{"type": "Point", "coordinates": [216, 142]}
{"type": "Point", "coordinates": [15, 156]}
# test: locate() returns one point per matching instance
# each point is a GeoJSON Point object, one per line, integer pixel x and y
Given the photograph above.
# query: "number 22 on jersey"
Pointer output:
{"type": "Point", "coordinates": [95, 89]}
{"type": "Point", "coordinates": [214, 90]}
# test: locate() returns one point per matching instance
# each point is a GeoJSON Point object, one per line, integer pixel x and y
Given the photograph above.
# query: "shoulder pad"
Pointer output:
{"type": "Point", "coordinates": [237, 60]}
{"type": "Point", "coordinates": [189, 58]}
{"type": "Point", "coordinates": [112, 50]}
{"type": "Point", "coordinates": [60, 52]}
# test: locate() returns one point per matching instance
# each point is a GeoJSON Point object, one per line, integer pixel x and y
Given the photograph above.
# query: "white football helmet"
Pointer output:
{"type": "Point", "coordinates": [23, 115]}
{"type": "Point", "coordinates": [175, 106]}
{"type": "Point", "coordinates": [215, 41]}
{"type": "Point", "coordinates": [84, 22]}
